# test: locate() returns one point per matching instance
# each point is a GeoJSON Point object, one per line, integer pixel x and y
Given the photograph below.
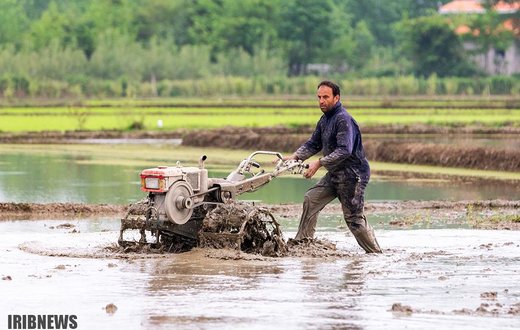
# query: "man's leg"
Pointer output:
{"type": "Point", "coordinates": [352, 198]}
{"type": "Point", "coordinates": [314, 201]}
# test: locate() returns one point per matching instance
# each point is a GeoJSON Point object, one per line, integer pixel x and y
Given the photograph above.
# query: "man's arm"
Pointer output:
{"type": "Point", "coordinates": [311, 147]}
{"type": "Point", "coordinates": [344, 147]}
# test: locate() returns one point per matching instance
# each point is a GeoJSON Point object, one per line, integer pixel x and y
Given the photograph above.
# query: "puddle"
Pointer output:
{"type": "Point", "coordinates": [435, 274]}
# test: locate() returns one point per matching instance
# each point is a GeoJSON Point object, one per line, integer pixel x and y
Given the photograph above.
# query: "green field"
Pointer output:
{"type": "Point", "coordinates": [34, 119]}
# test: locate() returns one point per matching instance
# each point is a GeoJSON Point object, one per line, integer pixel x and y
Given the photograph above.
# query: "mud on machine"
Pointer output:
{"type": "Point", "coordinates": [185, 208]}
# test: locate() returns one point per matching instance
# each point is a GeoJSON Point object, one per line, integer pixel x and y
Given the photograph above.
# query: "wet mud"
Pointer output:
{"type": "Point", "coordinates": [485, 309]}
{"type": "Point", "coordinates": [321, 249]}
{"type": "Point", "coordinates": [417, 282]}
{"type": "Point", "coordinates": [487, 214]}
{"type": "Point", "coordinates": [258, 242]}
{"type": "Point", "coordinates": [425, 265]}
{"type": "Point", "coordinates": [27, 211]}
{"type": "Point", "coordinates": [244, 227]}
{"type": "Point", "coordinates": [55, 137]}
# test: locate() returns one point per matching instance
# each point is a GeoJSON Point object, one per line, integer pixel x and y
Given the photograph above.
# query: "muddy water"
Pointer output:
{"type": "Point", "coordinates": [58, 178]}
{"type": "Point", "coordinates": [439, 276]}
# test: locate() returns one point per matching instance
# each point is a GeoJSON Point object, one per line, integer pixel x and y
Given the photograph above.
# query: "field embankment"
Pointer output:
{"type": "Point", "coordinates": [288, 140]}
{"type": "Point", "coordinates": [283, 139]}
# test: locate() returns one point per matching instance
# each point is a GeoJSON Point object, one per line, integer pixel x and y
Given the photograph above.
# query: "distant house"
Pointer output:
{"type": "Point", "coordinates": [495, 61]}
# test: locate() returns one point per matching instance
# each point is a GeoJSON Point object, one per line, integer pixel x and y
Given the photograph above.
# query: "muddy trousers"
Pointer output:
{"type": "Point", "coordinates": [350, 193]}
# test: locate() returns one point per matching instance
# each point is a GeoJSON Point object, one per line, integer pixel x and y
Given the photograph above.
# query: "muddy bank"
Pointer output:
{"type": "Point", "coordinates": [489, 214]}
{"type": "Point", "coordinates": [81, 210]}
{"type": "Point", "coordinates": [394, 151]}
{"type": "Point", "coordinates": [53, 137]}
{"type": "Point", "coordinates": [58, 210]}
{"type": "Point", "coordinates": [444, 155]}
{"type": "Point", "coordinates": [287, 140]}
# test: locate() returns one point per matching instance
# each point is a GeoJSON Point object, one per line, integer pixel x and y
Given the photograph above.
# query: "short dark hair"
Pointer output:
{"type": "Point", "coordinates": [335, 88]}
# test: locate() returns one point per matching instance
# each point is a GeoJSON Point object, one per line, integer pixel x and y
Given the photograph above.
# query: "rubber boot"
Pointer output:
{"type": "Point", "coordinates": [366, 238]}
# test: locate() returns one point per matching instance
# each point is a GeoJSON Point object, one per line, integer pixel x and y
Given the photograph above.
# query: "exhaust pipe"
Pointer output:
{"type": "Point", "coordinates": [201, 161]}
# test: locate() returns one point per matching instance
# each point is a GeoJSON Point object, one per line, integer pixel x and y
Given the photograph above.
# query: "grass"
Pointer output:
{"type": "Point", "coordinates": [34, 119]}
{"type": "Point", "coordinates": [442, 101]}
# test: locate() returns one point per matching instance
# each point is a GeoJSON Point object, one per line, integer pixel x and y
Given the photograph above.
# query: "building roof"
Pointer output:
{"type": "Point", "coordinates": [462, 6]}
{"type": "Point", "coordinates": [475, 7]}
{"type": "Point", "coordinates": [507, 8]}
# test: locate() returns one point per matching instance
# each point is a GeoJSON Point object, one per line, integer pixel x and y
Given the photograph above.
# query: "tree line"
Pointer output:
{"type": "Point", "coordinates": [66, 43]}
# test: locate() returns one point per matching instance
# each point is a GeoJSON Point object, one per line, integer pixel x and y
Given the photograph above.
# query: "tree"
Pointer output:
{"type": "Point", "coordinates": [247, 25]}
{"type": "Point", "coordinates": [201, 28]}
{"type": "Point", "coordinates": [379, 17]}
{"type": "Point", "coordinates": [364, 43]}
{"type": "Point", "coordinates": [163, 19]}
{"type": "Point", "coordinates": [52, 25]}
{"type": "Point", "coordinates": [307, 31]}
{"type": "Point", "coordinates": [432, 45]}
{"type": "Point", "coordinates": [13, 22]}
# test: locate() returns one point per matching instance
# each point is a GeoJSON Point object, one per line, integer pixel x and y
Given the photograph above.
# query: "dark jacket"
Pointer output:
{"type": "Point", "coordinates": [338, 135]}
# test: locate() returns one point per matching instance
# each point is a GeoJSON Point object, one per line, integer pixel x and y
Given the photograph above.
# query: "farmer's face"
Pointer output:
{"type": "Point", "coordinates": [326, 99]}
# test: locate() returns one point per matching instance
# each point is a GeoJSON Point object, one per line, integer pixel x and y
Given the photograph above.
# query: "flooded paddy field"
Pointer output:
{"type": "Point", "coordinates": [451, 253]}
{"type": "Point", "coordinates": [426, 278]}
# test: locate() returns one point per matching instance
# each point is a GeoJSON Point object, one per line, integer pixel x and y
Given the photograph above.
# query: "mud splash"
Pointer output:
{"type": "Point", "coordinates": [245, 227]}
{"type": "Point", "coordinates": [315, 249]}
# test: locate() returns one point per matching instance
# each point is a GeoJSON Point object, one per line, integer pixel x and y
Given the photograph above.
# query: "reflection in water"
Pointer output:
{"type": "Point", "coordinates": [294, 294]}
{"type": "Point", "coordinates": [55, 178]}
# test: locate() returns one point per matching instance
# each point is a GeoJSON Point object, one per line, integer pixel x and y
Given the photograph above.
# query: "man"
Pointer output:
{"type": "Point", "coordinates": [337, 134]}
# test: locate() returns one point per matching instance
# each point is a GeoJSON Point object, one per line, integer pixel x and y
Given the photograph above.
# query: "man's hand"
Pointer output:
{"type": "Point", "coordinates": [313, 168]}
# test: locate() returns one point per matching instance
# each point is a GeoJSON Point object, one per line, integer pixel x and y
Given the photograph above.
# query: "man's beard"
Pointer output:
{"type": "Point", "coordinates": [325, 109]}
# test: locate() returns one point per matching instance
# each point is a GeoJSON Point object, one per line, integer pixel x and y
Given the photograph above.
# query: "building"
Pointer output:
{"type": "Point", "coordinates": [494, 61]}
